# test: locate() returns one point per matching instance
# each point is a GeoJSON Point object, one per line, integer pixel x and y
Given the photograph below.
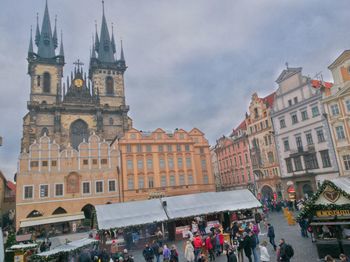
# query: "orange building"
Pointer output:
{"type": "Point", "coordinates": [158, 164]}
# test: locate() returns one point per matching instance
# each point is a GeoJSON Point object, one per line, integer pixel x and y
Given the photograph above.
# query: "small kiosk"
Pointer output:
{"type": "Point", "coordinates": [328, 214]}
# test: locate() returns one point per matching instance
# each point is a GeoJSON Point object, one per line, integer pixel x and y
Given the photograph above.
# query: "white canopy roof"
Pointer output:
{"type": "Point", "coordinates": [35, 221]}
{"type": "Point", "coordinates": [69, 247]}
{"type": "Point", "coordinates": [148, 211]}
{"type": "Point", "coordinates": [130, 213]}
{"type": "Point", "coordinates": [210, 202]}
{"type": "Point", "coordinates": [343, 183]}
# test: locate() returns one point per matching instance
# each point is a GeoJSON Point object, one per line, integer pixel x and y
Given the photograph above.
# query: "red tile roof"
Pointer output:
{"type": "Point", "coordinates": [269, 99]}
{"type": "Point", "coordinates": [11, 186]}
{"type": "Point", "coordinates": [318, 84]}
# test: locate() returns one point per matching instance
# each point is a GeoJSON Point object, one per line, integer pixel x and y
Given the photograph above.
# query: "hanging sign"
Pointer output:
{"type": "Point", "coordinates": [330, 213]}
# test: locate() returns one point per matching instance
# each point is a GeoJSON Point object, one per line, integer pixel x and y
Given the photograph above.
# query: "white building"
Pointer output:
{"type": "Point", "coordinates": [303, 140]}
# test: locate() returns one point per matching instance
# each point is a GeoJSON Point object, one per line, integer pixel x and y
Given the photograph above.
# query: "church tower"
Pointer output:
{"type": "Point", "coordinates": [107, 75]}
{"type": "Point", "coordinates": [70, 111]}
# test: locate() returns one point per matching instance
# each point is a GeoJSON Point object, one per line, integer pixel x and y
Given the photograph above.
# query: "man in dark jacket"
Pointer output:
{"type": "Point", "coordinates": [231, 257]}
{"type": "Point", "coordinates": [234, 231]}
{"type": "Point", "coordinates": [148, 253]}
{"type": "Point", "coordinates": [283, 254]}
{"type": "Point", "coordinates": [247, 246]}
{"type": "Point", "coordinates": [271, 235]}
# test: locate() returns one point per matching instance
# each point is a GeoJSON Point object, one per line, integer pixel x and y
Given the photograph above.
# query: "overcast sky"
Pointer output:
{"type": "Point", "coordinates": [191, 63]}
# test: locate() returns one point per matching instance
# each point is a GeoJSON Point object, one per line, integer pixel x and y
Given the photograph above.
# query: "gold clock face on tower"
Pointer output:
{"type": "Point", "coordinates": [78, 82]}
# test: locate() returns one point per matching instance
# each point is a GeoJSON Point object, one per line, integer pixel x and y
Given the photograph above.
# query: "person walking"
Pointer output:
{"type": "Point", "coordinates": [166, 254]}
{"type": "Point", "coordinates": [343, 258]}
{"type": "Point", "coordinates": [189, 252]}
{"type": "Point", "coordinates": [264, 254]}
{"type": "Point", "coordinates": [329, 258]}
{"type": "Point", "coordinates": [247, 246]}
{"type": "Point", "coordinates": [209, 247]}
{"type": "Point", "coordinates": [156, 248]}
{"type": "Point", "coordinates": [148, 253]}
{"type": "Point", "coordinates": [286, 251]}
{"type": "Point", "coordinates": [254, 242]}
{"type": "Point", "coordinates": [271, 235]}
{"type": "Point", "coordinates": [231, 256]}
{"type": "Point", "coordinates": [174, 255]}
{"type": "Point", "coordinates": [197, 242]}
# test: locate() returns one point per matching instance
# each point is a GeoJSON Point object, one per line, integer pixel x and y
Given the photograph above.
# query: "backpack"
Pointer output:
{"type": "Point", "coordinates": [289, 251]}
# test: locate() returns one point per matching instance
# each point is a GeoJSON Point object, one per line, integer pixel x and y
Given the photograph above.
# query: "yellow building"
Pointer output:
{"type": "Point", "coordinates": [52, 181]}
{"type": "Point", "coordinates": [336, 101]}
{"type": "Point", "coordinates": [164, 164]}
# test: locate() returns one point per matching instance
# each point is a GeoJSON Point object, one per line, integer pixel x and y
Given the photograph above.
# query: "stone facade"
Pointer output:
{"type": "Point", "coordinates": [336, 101]}
{"type": "Point", "coordinates": [158, 164]}
{"type": "Point", "coordinates": [234, 160]}
{"type": "Point", "coordinates": [303, 140]}
{"type": "Point", "coordinates": [262, 147]}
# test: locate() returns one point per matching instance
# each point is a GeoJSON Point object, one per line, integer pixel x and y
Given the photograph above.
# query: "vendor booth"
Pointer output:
{"type": "Point", "coordinates": [136, 223]}
{"type": "Point", "coordinates": [328, 214]}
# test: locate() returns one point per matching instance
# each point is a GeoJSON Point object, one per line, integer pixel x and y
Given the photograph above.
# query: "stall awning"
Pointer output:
{"type": "Point", "coordinates": [343, 183]}
{"type": "Point", "coordinates": [35, 221]}
{"type": "Point", "coordinates": [130, 213]}
{"type": "Point", "coordinates": [210, 202]}
{"type": "Point", "coordinates": [68, 247]}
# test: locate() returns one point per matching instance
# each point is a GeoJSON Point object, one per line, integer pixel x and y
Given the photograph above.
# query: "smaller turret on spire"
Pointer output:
{"type": "Point", "coordinates": [113, 42]}
{"type": "Point", "coordinates": [122, 58]}
{"type": "Point", "coordinates": [61, 46]}
{"type": "Point", "coordinates": [54, 37]}
{"type": "Point", "coordinates": [37, 32]}
{"type": "Point", "coordinates": [97, 42]}
{"type": "Point", "coordinates": [30, 49]}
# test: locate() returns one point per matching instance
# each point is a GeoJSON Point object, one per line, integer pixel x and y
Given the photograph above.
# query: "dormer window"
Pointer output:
{"type": "Point", "coordinates": [256, 113]}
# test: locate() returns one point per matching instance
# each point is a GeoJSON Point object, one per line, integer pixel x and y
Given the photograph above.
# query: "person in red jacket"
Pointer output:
{"type": "Point", "coordinates": [197, 243]}
{"type": "Point", "coordinates": [209, 247]}
{"type": "Point", "coordinates": [221, 240]}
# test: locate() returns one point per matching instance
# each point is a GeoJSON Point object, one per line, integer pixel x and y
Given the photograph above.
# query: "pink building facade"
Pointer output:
{"type": "Point", "coordinates": [234, 160]}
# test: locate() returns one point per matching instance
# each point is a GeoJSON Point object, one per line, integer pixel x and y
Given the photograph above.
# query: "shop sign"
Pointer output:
{"type": "Point", "coordinates": [183, 230]}
{"type": "Point", "coordinates": [329, 213]}
{"type": "Point", "coordinates": [331, 195]}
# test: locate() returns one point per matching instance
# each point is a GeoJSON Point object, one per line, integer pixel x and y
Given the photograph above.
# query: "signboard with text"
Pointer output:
{"type": "Point", "coordinates": [330, 213]}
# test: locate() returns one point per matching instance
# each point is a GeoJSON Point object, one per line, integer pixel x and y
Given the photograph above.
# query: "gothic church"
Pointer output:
{"type": "Point", "coordinates": [68, 111]}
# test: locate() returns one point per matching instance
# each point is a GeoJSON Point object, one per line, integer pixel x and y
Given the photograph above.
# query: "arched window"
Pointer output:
{"type": "Point", "coordinates": [34, 213]}
{"type": "Point", "coordinates": [78, 132]}
{"type": "Point", "coordinates": [38, 80]}
{"type": "Point", "coordinates": [109, 85]}
{"type": "Point", "coordinates": [59, 211]}
{"type": "Point", "coordinates": [46, 82]}
{"type": "Point", "coordinates": [44, 131]}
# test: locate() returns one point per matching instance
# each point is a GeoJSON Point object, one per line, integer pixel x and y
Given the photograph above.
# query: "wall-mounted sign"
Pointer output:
{"type": "Point", "coordinates": [330, 213]}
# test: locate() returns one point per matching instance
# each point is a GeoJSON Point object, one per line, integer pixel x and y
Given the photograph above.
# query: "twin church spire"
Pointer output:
{"type": "Point", "coordinates": [104, 46]}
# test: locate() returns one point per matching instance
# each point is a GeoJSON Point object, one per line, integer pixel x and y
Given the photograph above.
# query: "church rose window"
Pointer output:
{"type": "Point", "coordinates": [46, 82]}
{"type": "Point", "coordinates": [109, 85]}
{"type": "Point", "coordinates": [78, 132]}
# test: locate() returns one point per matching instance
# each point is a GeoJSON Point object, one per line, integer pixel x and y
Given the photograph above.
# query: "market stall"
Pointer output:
{"type": "Point", "coordinates": [328, 214]}
{"type": "Point", "coordinates": [68, 252]}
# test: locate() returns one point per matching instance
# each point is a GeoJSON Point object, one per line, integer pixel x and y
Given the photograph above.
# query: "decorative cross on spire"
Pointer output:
{"type": "Point", "coordinates": [78, 63]}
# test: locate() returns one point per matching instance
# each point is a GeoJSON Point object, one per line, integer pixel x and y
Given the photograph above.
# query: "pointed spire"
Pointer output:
{"type": "Point", "coordinates": [30, 49]}
{"type": "Point", "coordinates": [46, 47]}
{"type": "Point", "coordinates": [54, 37]}
{"type": "Point", "coordinates": [122, 58]}
{"type": "Point", "coordinates": [97, 42]}
{"type": "Point", "coordinates": [113, 42]}
{"type": "Point", "coordinates": [37, 33]}
{"type": "Point", "coordinates": [61, 46]}
{"type": "Point", "coordinates": [105, 50]}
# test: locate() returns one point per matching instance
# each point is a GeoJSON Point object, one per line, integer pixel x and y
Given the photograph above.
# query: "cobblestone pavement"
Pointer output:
{"type": "Point", "coordinates": [304, 249]}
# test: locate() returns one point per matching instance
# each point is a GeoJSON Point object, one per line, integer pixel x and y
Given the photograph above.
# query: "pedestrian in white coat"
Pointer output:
{"type": "Point", "coordinates": [189, 252]}
{"type": "Point", "coordinates": [264, 254]}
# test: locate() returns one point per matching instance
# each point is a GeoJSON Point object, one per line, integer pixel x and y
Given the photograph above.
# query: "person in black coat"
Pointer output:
{"type": "Point", "coordinates": [231, 257]}
{"type": "Point", "coordinates": [271, 235]}
{"type": "Point", "coordinates": [148, 253]}
{"type": "Point", "coordinates": [247, 246]}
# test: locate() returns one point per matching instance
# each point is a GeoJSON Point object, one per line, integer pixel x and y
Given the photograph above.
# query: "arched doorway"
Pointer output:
{"type": "Point", "coordinates": [59, 211]}
{"type": "Point", "coordinates": [34, 213]}
{"type": "Point", "coordinates": [307, 191]}
{"type": "Point", "coordinates": [267, 193]}
{"type": "Point", "coordinates": [89, 213]}
{"type": "Point", "coordinates": [78, 132]}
